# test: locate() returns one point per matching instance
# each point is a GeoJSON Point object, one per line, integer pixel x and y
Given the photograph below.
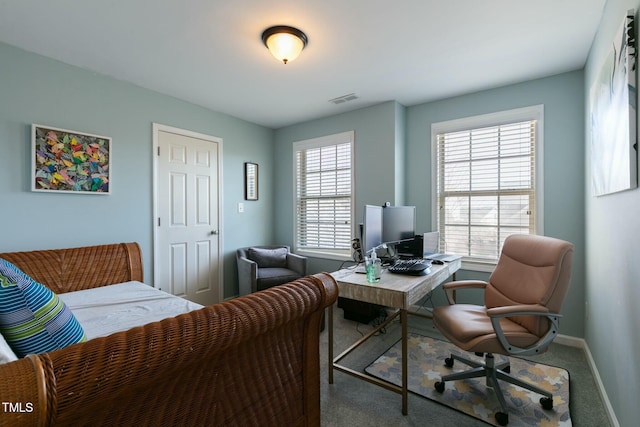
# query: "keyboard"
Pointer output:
{"type": "Point", "coordinates": [412, 267]}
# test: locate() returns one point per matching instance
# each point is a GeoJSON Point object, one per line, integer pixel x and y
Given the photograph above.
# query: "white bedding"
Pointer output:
{"type": "Point", "coordinates": [108, 309]}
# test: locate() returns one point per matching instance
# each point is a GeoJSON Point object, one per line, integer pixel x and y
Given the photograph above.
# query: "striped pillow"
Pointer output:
{"type": "Point", "coordinates": [32, 317]}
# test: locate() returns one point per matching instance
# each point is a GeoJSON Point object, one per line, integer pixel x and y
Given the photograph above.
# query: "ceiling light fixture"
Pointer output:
{"type": "Point", "coordinates": [285, 43]}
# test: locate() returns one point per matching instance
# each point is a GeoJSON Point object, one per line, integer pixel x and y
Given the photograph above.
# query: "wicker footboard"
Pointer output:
{"type": "Point", "coordinates": [253, 360]}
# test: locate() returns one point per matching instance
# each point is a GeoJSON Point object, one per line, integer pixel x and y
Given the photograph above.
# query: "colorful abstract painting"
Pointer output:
{"type": "Point", "coordinates": [69, 161]}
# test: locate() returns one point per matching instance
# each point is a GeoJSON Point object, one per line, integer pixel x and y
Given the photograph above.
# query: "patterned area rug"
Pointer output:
{"type": "Point", "coordinates": [426, 366]}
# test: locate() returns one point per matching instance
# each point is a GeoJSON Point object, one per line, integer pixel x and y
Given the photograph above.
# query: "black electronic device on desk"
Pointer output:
{"type": "Point", "coordinates": [413, 267]}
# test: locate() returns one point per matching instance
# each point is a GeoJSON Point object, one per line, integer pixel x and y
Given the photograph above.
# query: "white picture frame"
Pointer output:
{"type": "Point", "coordinates": [613, 110]}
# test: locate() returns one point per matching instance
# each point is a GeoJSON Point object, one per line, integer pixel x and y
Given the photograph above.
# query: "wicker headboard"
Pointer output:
{"type": "Point", "coordinates": [67, 270]}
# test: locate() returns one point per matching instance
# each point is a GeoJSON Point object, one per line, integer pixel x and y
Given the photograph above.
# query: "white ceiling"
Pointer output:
{"type": "Point", "coordinates": [209, 52]}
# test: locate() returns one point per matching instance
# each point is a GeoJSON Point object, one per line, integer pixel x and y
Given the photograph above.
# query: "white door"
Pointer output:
{"type": "Point", "coordinates": [187, 221]}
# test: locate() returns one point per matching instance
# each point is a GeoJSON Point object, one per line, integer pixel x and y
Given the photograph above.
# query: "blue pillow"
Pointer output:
{"type": "Point", "coordinates": [33, 319]}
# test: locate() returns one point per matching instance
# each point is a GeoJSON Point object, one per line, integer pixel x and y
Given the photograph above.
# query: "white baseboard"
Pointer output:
{"type": "Point", "coordinates": [582, 344]}
{"type": "Point", "coordinates": [570, 341]}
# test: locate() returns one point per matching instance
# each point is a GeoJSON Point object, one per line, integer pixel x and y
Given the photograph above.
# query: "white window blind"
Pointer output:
{"type": "Point", "coordinates": [485, 188]}
{"type": "Point", "coordinates": [324, 175]}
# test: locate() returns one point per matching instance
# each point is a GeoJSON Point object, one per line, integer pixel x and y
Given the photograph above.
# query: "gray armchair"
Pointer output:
{"type": "Point", "coordinates": [261, 267]}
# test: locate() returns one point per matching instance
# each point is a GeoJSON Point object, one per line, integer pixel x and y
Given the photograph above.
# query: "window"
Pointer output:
{"type": "Point", "coordinates": [323, 194]}
{"type": "Point", "coordinates": [487, 170]}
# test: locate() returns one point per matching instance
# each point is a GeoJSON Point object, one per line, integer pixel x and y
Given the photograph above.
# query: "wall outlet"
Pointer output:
{"type": "Point", "coordinates": [240, 207]}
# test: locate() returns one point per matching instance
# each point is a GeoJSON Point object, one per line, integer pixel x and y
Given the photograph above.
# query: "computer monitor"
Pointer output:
{"type": "Point", "coordinates": [398, 223]}
{"type": "Point", "coordinates": [372, 228]}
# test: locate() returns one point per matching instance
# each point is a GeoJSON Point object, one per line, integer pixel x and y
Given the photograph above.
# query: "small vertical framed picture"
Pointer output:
{"type": "Point", "coordinates": [250, 181]}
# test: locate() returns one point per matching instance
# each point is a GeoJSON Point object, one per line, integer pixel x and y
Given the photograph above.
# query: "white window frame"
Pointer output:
{"type": "Point", "coordinates": [536, 113]}
{"type": "Point", "coordinates": [324, 141]}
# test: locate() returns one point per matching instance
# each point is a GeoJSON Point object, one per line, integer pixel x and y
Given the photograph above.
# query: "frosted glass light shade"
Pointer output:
{"type": "Point", "coordinates": [284, 43]}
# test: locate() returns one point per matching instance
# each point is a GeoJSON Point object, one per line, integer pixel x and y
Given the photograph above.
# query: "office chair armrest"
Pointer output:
{"type": "Point", "coordinates": [450, 288]}
{"type": "Point", "coordinates": [518, 310]}
{"type": "Point", "coordinates": [495, 314]}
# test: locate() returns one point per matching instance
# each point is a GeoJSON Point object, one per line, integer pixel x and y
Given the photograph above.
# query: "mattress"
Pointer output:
{"type": "Point", "coordinates": [108, 309]}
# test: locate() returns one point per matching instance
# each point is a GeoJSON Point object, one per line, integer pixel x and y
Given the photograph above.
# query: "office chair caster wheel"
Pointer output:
{"type": "Point", "coordinates": [502, 418]}
{"type": "Point", "coordinates": [448, 362]}
{"type": "Point", "coordinates": [439, 385]}
{"type": "Point", "coordinates": [547, 403]}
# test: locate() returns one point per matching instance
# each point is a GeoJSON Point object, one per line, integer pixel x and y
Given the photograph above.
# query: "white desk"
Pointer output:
{"type": "Point", "coordinates": [393, 290]}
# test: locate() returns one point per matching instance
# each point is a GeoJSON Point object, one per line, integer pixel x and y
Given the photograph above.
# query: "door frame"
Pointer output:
{"type": "Point", "coordinates": [156, 129]}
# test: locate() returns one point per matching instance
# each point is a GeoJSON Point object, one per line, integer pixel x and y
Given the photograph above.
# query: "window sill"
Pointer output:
{"type": "Point", "coordinates": [325, 254]}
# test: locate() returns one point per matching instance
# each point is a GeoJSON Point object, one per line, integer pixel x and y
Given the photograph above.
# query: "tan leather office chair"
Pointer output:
{"type": "Point", "coordinates": [520, 317]}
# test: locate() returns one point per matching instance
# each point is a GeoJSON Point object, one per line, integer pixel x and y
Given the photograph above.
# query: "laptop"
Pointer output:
{"type": "Point", "coordinates": [430, 248]}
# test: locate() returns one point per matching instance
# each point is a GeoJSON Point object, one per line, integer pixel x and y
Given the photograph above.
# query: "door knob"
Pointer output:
{"type": "Point", "coordinates": [214, 232]}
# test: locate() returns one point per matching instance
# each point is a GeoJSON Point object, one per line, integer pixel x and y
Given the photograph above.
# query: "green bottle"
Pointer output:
{"type": "Point", "coordinates": [374, 268]}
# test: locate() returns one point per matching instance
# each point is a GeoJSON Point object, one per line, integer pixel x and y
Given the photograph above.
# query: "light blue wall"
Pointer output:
{"type": "Point", "coordinates": [375, 165]}
{"type": "Point", "coordinates": [34, 89]}
{"type": "Point", "coordinates": [388, 131]}
{"type": "Point", "coordinates": [400, 156]}
{"type": "Point", "coordinates": [613, 267]}
{"type": "Point", "coordinates": [563, 100]}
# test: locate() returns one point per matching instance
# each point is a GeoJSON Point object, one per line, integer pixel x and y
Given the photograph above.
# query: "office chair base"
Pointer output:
{"type": "Point", "coordinates": [502, 418]}
{"type": "Point", "coordinates": [547, 403]}
{"type": "Point", "coordinates": [492, 373]}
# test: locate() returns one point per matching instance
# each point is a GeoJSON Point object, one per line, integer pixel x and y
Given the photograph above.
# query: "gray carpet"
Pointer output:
{"type": "Point", "coordinates": [352, 402]}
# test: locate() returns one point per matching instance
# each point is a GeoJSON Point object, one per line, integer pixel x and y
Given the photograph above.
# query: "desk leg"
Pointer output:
{"type": "Point", "coordinates": [330, 344]}
{"type": "Point", "coordinates": [405, 370]}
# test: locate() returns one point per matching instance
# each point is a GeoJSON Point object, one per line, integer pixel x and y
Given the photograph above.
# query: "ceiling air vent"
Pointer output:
{"type": "Point", "coordinates": [343, 98]}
